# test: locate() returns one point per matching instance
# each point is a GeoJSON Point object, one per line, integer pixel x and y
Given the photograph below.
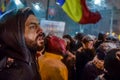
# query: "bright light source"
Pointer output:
{"type": "Point", "coordinates": [57, 3]}
{"type": "Point", "coordinates": [113, 33]}
{"type": "Point", "coordinates": [36, 6]}
{"type": "Point", "coordinates": [107, 33]}
{"type": "Point", "coordinates": [97, 2]}
{"type": "Point", "coordinates": [17, 2]}
{"type": "Point", "coordinates": [76, 32]}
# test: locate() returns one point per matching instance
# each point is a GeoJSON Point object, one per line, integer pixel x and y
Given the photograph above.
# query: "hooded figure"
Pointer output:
{"type": "Point", "coordinates": [17, 58]}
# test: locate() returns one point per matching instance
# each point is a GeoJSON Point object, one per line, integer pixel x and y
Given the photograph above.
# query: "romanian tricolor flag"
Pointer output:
{"type": "Point", "coordinates": [78, 11]}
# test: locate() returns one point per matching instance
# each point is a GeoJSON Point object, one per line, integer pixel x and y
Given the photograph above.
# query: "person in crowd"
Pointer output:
{"type": "Point", "coordinates": [50, 64]}
{"type": "Point", "coordinates": [78, 41]}
{"type": "Point", "coordinates": [70, 43]}
{"type": "Point", "coordinates": [95, 67]}
{"type": "Point", "coordinates": [85, 54]}
{"type": "Point", "coordinates": [19, 33]}
{"type": "Point", "coordinates": [101, 38]}
{"type": "Point", "coordinates": [69, 60]}
{"type": "Point", "coordinates": [111, 65]}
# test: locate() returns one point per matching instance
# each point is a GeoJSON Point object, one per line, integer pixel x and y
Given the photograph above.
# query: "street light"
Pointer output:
{"type": "Point", "coordinates": [36, 6]}
{"type": "Point", "coordinates": [19, 4]}
{"type": "Point", "coordinates": [111, 23]}
{"type": "Point", "coordinates": [97, 2]}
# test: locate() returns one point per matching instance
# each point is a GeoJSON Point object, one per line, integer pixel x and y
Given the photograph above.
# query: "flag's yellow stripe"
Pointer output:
{"type": "Point", "coordinates": [3, 7]}
{"type": "Point", "coordinates": [73, 9]}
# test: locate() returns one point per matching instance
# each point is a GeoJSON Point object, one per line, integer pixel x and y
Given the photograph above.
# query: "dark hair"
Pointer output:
{"type": "Point", "coordinates": [101, 36]}
{"type": "Point", "coordinates": [79, 36]}
{"type": "Point", "coordinates": [67, 36]}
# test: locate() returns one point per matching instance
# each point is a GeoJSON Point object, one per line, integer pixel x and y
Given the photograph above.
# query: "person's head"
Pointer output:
{"type": "Point", "coordinates": [69, 41]}
{"type": "Point", "coordinates": [20, 30]}
{"type": "Point", "coordinates": [68, 38]}
{"type": "Point", "coordinates": [33, 33]}
{"type": "Point", "coordinates": [100, 55]}
{"type": "Point", "coordinates": [112, 64]}
{"type": "Point", "coordinates": [98, 61]}
{"type": "Point", "coordinates": [87, 42]}
{"type": "Point", "coordinates": [54, 44]}
{"type": "Point", "coordinates": [102, 36]}
{"type": "Point", "coordinates": [79, 36]}
{"type": "Point", "coordinates": [106, 46]}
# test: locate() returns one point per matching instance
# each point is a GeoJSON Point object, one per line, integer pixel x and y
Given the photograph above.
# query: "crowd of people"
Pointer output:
{"type": "Point", "coordinates": [27, 53]}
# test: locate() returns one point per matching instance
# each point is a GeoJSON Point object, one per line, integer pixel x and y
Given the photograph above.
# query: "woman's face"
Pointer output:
{"type": "Point", "coordinates": [33, 33]}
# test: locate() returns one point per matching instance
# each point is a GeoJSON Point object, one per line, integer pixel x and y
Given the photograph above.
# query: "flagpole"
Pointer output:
{"type": "Point", "coordinates": [81, 28]}
{"type": "Point", "coordinates": [111, 23]}
{"type": "Point", "coordinates": [47, 9]}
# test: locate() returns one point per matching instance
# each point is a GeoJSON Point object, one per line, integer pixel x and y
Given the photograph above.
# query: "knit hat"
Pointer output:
{"type": "Point", "coordinates": [54, 44]}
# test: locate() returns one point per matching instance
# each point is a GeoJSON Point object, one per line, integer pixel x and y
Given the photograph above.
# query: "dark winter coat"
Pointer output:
{"type": "Point", "coordinates": [82, 58]}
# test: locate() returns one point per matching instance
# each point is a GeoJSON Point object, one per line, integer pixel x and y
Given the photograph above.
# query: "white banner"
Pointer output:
{"type": "Point", "coordinates": [55, 27]}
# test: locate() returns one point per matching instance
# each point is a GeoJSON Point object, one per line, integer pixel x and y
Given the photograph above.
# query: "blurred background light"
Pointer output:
{"type": "Point", "coordinates": [18, 4]}
{"type": "Point", "coordinates": [119, 36]}
{"type": "Point", "coordinates": [97, 2]}
{"type": "Point", "coordinates": [36, 6]}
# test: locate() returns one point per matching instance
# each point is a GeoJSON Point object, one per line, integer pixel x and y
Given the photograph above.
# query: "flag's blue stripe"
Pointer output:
{"type": "Point", "coordinates": [61, 2]}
